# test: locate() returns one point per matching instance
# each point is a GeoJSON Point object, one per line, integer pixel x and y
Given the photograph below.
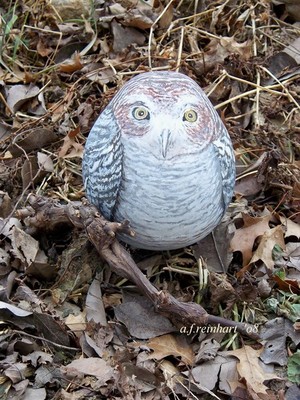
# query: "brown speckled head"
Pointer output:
{"type": "Point", "coordinates": [160, 157]}
{"type": "Point", "coordinates": [167, 107]}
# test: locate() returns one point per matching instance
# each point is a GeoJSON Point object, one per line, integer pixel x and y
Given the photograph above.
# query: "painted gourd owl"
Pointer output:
{"type": "Point", "coordinates": [160, 157]}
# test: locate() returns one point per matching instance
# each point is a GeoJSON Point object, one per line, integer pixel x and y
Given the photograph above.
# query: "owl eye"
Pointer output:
{"type": "Point", "coordinates": [140, 113]}
{"type": "Point", "coordinates": [190, 116]}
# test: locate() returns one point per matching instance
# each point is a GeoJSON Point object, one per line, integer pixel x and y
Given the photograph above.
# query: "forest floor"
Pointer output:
{"type": "Point", "coordinates": [71, 328]}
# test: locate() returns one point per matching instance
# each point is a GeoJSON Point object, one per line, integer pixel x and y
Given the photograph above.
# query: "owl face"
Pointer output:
{"type": "Point", "coordinates": [168, 110]}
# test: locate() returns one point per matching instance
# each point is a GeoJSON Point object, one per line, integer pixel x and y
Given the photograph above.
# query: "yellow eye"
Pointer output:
{"type": "Point", "coordinates": [190, 116]}
{"type": "Point", "coordinates": [140, 113]}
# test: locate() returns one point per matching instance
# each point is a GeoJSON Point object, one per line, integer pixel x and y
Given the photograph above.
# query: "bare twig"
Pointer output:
{"type": "Point", "coordinates": [47, 213]}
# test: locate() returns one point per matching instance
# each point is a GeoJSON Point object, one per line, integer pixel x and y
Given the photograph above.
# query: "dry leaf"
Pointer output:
{"type": "Point", "coordinates": [14, 310]}
{"type": "Point", "coordinates": [288, 285]}
{"type": "Point", "coordinates": [25, 247]}
{"type": "Point", "coordinates": [45, 162]}
{"type": "Point", "coordinates": [76, 323]}
{"type": "Point", "coordinates": [208, 373]}
{"type": "Point", "coordinates": [245, 237]}
{"type": "Point", "coordinates": [274, 335]}
{"type": "Point", "coordinates": [71, 9]}
{"type": "Point", "coordinates": [250, 369]}
{"type": "Point", "coordinates": [138, 315]}
{"type": "Point", "coordinates": [170, 345]}
{"type": "Point", "coordinates": [218, 49]}
{"type": "Point", "coordinates": [94, 304]}
{"type": "Point", "coordinates": [32, 139]}
{"type": "Point", "coordinates": [123, 37]}
{"type": "Point", "coordinates": [90, 366]}
{"type": "Point", "coordinates": [17, 95]}
{"type": "Point", "coordinates": [70, 148]}
{"type": "Point", "coordinates": [72, 65]}
{"type": "Point", "coordinates": [265, 248]}
{"type": "Point", "coordinates": [292, 229]}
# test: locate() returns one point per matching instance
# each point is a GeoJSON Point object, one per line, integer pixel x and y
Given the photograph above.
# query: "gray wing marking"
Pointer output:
{"type": "Point", "coordinates": [226, 158]}
{"type": "Point", "coordinates": [102, 163]}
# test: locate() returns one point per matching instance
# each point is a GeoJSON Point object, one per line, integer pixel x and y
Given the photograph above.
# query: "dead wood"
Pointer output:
{"type": "Point", "coordinates": [45, 214]}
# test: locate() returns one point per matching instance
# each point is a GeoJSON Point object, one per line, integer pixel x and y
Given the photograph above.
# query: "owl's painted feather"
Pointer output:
{"type": "Point", "coordinates": [160, 157]}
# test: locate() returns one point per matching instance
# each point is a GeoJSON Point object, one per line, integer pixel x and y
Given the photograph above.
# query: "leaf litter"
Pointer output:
{"type": "Point", "coordinates": [70, 327]}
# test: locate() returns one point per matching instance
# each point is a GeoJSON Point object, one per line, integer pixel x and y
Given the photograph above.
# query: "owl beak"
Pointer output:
{"type": "Point", "coordinates": [165, 141]}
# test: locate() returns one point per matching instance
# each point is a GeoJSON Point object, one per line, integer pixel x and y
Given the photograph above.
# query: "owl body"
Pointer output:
{"type": "Point", "coordinates": [160, 157]}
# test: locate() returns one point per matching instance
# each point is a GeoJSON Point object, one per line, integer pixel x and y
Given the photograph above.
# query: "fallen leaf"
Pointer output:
{"type": "Point", "coordinates": [287, 285]}
{"type": "Point", "coordinates": [94, 304]}
{"type": "Point", "coordinates": [244, 238]}
{"type": "Point", "coordinates": [218, 49]}
{"type": "Point", "coordinates": [90, 366]}
{"type": "Point", "coordinates": [38, 357]}
{"type": "Point", "coordinates": [17, 95]}
{"type": "Point", "coordinates": [32, 139]}
{"type": "Point", "coordinates": [34, 394]}
{"type": "Point", "coordinates": [274, 334]}
{"type": "Point", "coordinates": [123, 37]}
{"type": "Point", "coordinates": [25, 247]}
{"type": "Point", "coordinates": [170, 345]}
{"type": "Point", "coordinates": [70, 148]}
{"type": "Point", "coordinates": [5, 204]}
{"type": "Point", "coordinates": [71, 9]}
{"type": "Point", "coordinates": [14, 310]}
{"type": "Point", "coordinates": [45, 162]}
{"type": "Point", "coordinates": [72, 65]}
{"type": "Point", "coordinates": [138, 315]}
{"type": "Point", "coordinates": [208, 373]}
{"type": "Point", "coordinates": [76, 323]}
{"type": "Point", "coordinates": [208, 350]}
{"type": "Point", "coordinates": [250, 369]}
{"type": "Point", "coordinates": [142, 379]}
{"type": "Point", "coordinates": [265, 248]}
{"type": "Point", "coordinates": [291, 228]}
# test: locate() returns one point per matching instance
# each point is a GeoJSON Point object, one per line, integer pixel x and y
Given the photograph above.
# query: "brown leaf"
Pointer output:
{"type": "Point", "coordinates": [142, 379]}
{"type": "Point", "coordinates": [71, 9]}
{"type": "Point", "coordinates": [51, 329]}
{"type": "Point", "coordinates": [291, 228]}
{"type": "Point", "coordinates": [248, 185]}
{"type": "Point", "coordinates": [218, 49]}
{"type": "Point", "coordinates": [170, 345]}
{"type": "Point", "coordinates": [250, 369]}
{"type": "Point", "coordinates": [70, 148]}
{"type": "Point", "coordinates": [32, 139]}
{"type": "Point", "coordinates": [90, 366]}
{"type": "Point", "coordinates": [40, 268]}
{"type": "Point", "coordinates": [244, 237]}
{"type": "Point", "coordinates": [94, 304]}
{"type": "Point", "coordinates": [42, 48]}
{"type": "Point", "coordinates": [72, 65]}
{"type": "Point", "coordinates": [24, 246]}
{"type": "Point", "coordinates": [264, 251]}
{"type": "Point", "coordinates": [17, 95]}
{"type": "Point", "coordinates": [5, 204]}
{"type": "Point", "coordinates": [76, 323]}
{"type": "Point", "coordinates": [287, 285]}
{"type": "Point", "coordinates": [124, 37]}
{"type": "Point", "coordinates": [221, 290]}
{"type": "Point", "coordinates": [223, 367]}
{"type": "Point", "coordinates": [32, 172]}
{"type": "Point", "coordinates": [45, 162]}
{"type": "Point", "coordinates": [138, 315]}
{"type": "Point", "coordinates": [166, 18]}
{"type": "Point", "coordinates": [74, 132]}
